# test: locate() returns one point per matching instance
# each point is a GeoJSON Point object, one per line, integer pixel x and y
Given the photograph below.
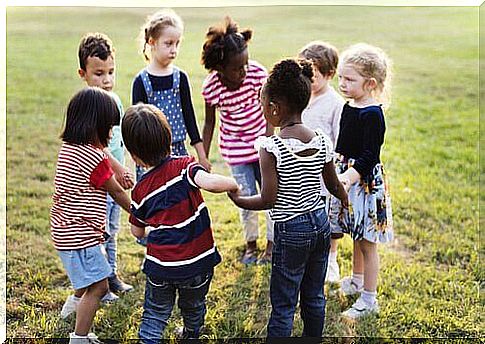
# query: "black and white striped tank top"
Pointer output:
{"type": "Point", "coordinates": [298, 176]}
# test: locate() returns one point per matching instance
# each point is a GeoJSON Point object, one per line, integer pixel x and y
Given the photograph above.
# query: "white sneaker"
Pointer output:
{"type": "Point", "coordinates": [91, 338]}
{"type": "Point", "coordinates": [69, 306]}
{"type": "Point", "coordinates": [348, 286]}
{"type": "Point", "coordinates": [110, 297]}
{"type": "Point", "coordinates": [360, 309]}
{"type": "Point", "coordinates": [333, 272]}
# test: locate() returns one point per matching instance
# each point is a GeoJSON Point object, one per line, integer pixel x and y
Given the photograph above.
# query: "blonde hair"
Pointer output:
{"type": "Point", "coordinates": [156, 23]}
{"type": "Point", "coordinates": [371, 62]}
{"type": "Point", "coordinates": [323, 55]}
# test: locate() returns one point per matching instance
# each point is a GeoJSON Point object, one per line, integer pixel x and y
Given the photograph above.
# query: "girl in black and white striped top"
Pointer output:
{"type": "Point", "coordinates": [291, 165]}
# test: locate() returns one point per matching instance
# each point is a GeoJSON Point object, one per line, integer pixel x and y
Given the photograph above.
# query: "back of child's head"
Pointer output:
{"type": "Point", "coordinates": [324, 56]}
{"type": "Point", "coordinates": [370, 62]}
{"type": "Point", "coordinates": [290, 81]}
{"type": "Point", "coordinates": [94, 44]}
{"type": "Point", "coordinates": [155, 24]}
{"type": "Point", "coordinates": [146, 133]}
{"type": "Point", "coordinates": [222, 42]}
{"type": "Point", "coordinates": [91, 114]}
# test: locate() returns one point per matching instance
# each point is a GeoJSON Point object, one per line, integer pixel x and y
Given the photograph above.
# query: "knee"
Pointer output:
{"type": "Point", "coordinates": [99, 289]}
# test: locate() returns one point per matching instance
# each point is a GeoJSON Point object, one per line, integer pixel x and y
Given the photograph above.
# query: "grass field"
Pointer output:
{"type": "Point", "coordinates": [431, 281]}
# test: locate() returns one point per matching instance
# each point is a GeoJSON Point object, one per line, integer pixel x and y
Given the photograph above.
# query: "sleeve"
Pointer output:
{"type": "Point", "coordinates": [134, 221]}
{"type": "Point", "coordinates": [101, 173]}
{"type": "Point", "coordinates": [135, 209]}
{"type": "Point", "coordinates": [337, 114]}
{"type": "Point", "coordinates": [138, 93]}
{"type": "Point", "coordinates": [373, 123]}
{"type": "Point", "coordinates": [327, 143]}
{"type": "Point", "coordinates": [193, 167]}
{"type": "Point", "coordinates": [210, 90]}
{"type": "Point", "coordinates": [188, 110]}
{"type": "Point", "coordinates": [269, 145]}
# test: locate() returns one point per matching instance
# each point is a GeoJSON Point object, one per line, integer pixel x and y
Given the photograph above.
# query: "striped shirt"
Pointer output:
{"type": "Point", "coordinates": [298, 176]}
{"type": "Point", "coordinates": [181, 244]}
{"type": "Point", "coordinates": [78, 212]}
{"type": "Point", "coordinates": [240, 111]}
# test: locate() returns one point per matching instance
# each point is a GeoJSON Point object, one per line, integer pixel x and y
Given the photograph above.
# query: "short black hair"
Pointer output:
{"type": "Point", "coordinates": [290, 81]}
{"type": "Point", "coordinates": [94, 44]}
{"type": "Point", "coordinates": [222, 42]}
{"type": "Point", "coordinates": [146, 133]}
{"type": "Point", "coordinates": [91, 114]}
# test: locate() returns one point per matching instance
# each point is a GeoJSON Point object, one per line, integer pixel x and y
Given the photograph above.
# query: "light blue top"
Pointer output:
{"type": "Point", "coordinates": [116, 143]}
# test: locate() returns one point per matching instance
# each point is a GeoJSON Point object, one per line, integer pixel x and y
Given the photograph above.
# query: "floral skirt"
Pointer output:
{"type": "Point", "coordinates": [369, 215]}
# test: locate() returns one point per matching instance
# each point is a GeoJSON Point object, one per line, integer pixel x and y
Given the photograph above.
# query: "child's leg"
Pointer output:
{"type": "Point", "coordinates": [86, 310]}
{"type": "Point", "coordinates": [192, 303]}
{"type": "Point", "coordinates": [371, 264]}
{"type": "Point", "coordinates": [79, 292]}
{"type": "Point", "coordinates": [157, 308]}
{"type": "Point", "coordinates": [312, 297]}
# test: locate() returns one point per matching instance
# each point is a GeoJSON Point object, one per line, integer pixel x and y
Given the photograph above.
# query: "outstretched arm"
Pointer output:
{"type": "Point", "coordinates": [209, 124]}
{"type": "Point", "coordinates": [116, 191]}
{"type": "Point", "coordinates": [333, 185]}
{"type": "Point", "coordinates": [215, 182]}
{"type": "Point", "coordinates": [269, 186]}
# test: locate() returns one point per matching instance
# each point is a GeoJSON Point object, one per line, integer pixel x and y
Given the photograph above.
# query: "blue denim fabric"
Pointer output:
{"type": "Point", "coordinates": [113, 211]}
{"type": "Point", "coordinates": [159, 302]}
{"type": "Point", "coordinates": [247, 175]}
{"type": "Point", "coordinates": [299, 265]}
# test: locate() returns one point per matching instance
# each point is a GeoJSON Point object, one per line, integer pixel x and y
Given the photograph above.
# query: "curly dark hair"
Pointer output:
{"type": "Point", "coordinates": [222, 42]}
{"type": "Point", "coordinates": [290, 81]}
{"type": "Point", "coordinates": [94, 44]}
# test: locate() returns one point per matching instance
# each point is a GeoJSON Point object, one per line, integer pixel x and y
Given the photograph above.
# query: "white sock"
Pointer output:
{"type": "Point", "coordinates": [369, 297]}
{"type": "Point", "coordinates": [358, 279]}
{"type": "Point", "coordinates": [332, 256]}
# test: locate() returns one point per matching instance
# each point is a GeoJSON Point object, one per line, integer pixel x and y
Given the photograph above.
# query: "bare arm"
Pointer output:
{"type": "Point", "coordinates": [333, 185]}
{"type": "Point", "coordinates": [209, 124]}
{"type": "Point", "coordinates": [349, 177]}
{"type": "Point", "coordinates": [122, 174]}
{"type": "Point", "coordinates": [116, 191]}
{"type": "Point", "coordinates": [269, 186]}
{"type": "Point", "coordinates": [138, 232]}
{"type": "Point", "coordinates": [202, 158]}
{"type": "Point", "coordinates": [215, 182]}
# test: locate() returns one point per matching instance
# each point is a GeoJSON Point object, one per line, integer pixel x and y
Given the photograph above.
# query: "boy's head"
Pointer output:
{"type": "Point", "coordinates": [146, 134]}
{"type": "Point", "coordinates": [96, 61]}
{"type": "Point", "coordinates": [323, 55]}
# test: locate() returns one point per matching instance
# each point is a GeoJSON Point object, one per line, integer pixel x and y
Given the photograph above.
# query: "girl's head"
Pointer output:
{"type": "Point", "coordinates": [364, 72]}
{"type": "Point", "coordinates": [91, 114]}
{"type": "Point", "coordinates": [146, 134]}
{"type": "Point", "coordinates": [161, 35]}
{"type": "Point", "coordinates": [225, 50]}
{"type": "Point", "coordinates": [324, 57]}
{"type": "Point", "coordinates": [287, 91]}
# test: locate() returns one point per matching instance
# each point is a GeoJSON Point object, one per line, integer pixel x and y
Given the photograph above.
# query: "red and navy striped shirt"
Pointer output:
{"type": "Point", "coordinates": [167, 198]}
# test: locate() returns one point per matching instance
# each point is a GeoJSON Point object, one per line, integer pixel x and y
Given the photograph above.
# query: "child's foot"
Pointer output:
{"type": "Point", "coordinates": [69, 306]}
{"type": "Point", "coordinates": [91, 338]}
{"type": "Point", "coordinates": [182, 333]}
{"type": "Point", "coordinates": [333, 272]}
{"type": "Point", "coordinates": [264, 259]}
{"type": "Point", "coordinates": [360, 308]}
{"type": "Point", "coordinates": [118, 286]}
{"type": "Point", "coordinates": [249, 257]}
{"type": "Point", "coordinates": [109, 297]}
{"type": "Point", "coordinates": [349, 287]}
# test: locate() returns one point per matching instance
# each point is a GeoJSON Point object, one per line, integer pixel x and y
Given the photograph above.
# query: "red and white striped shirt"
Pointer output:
{"type": "Point", "coordinates": [78, 213]}
{"type": "Point", "coordinates": [241, 115]}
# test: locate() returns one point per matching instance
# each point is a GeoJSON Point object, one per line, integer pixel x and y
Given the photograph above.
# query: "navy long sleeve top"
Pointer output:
{"type": "Point", "coordinates": [361, 136]}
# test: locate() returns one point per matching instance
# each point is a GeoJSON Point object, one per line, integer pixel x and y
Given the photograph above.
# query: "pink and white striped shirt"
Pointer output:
{"type": "Point", "coordinates": [240, 113]}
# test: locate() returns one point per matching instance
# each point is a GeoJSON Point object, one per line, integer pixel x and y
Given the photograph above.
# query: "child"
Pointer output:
{"type": "Point", "coordinates": [181, 253]}
{"type": "Point", "coordinates": [363, 73]}
{"type": "Point", "coordinates": [164, 85]}
{"type": "Point", "coordinates": [323, 112]}
{"type": "Point", "coordinates": [78, 213]}
{"type": "Point", "coordinates": [232, 87]}
{"type": "Point", "coordinates": [97, 68]}
{"type": "Point", "coordinates": [291, 166]}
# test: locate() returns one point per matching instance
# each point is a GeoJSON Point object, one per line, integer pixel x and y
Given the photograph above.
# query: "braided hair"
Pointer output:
{"type": "Point", "coordinates": [290, 81]}
{"type": "Point", "coordinates": [222, 42]}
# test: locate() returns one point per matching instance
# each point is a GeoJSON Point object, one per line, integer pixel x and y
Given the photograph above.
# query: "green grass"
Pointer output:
{"type": "Point", "coordinates": [431, 281]}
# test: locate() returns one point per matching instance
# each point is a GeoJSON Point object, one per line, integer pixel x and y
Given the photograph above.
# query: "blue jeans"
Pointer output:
{"type": "Point", "coordinates": [247, 175]}
{"type": "Point", "coordinates": [159, 302]}
{"type": "Point", "coordinates": [299, 265]}
{"type": "Point", "coordinates": [112, 226]}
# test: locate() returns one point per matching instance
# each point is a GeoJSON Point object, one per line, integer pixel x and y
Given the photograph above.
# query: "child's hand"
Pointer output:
{"type": "Point", "coordinates": [235, 194]}
{"type": "Point", "coordinates": [345, 182]}
{"type": "Point", "coordinates": [205, 163]}
{"type": "Point", "coordinates": [126, 180]}
{"type": "Point", "coordinates": [345, 203]}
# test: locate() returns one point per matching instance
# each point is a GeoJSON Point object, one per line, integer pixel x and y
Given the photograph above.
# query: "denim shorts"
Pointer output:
{"type": "Point", "coordinates": [86, 266]}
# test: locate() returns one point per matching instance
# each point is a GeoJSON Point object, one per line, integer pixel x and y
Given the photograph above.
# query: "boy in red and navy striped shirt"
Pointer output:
{"type": "Point", "coordinates": [181, 253]}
